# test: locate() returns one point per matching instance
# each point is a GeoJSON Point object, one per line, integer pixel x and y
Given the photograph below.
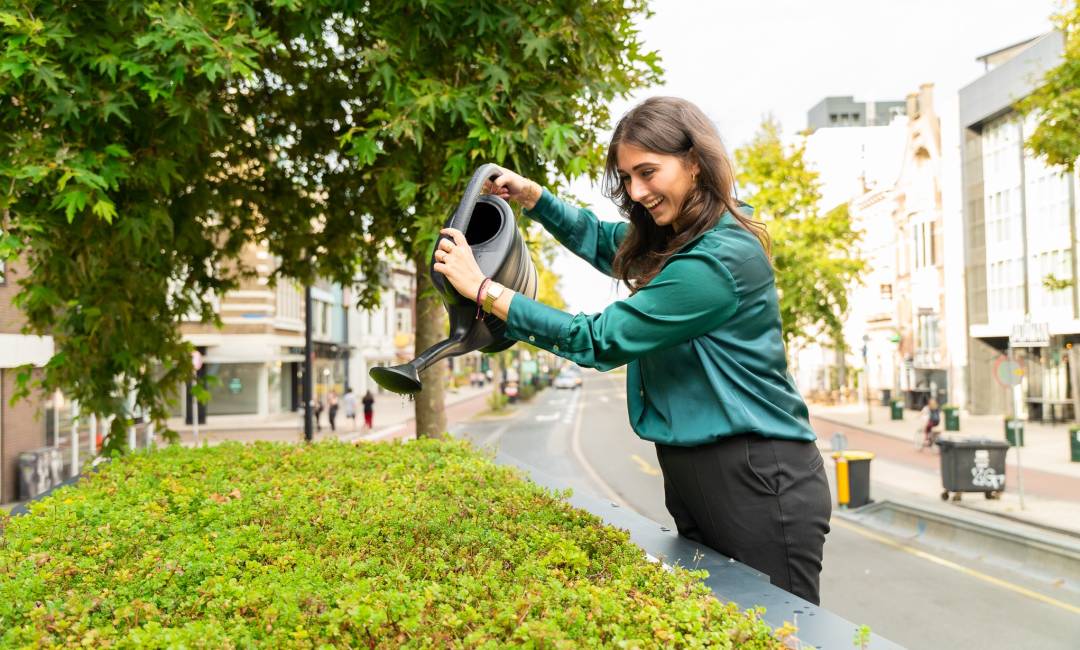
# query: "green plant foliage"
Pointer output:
{"type": "Point", "coordinates": [143, 145]}
{"type": "Point", "coordinates": [1056, 102]}
{"type": "Point", "coordinates": [331, 545]}
{"type": "Point", "coordinates": [815, 255]}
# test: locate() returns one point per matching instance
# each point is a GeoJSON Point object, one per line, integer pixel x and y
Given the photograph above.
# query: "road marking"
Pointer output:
{"type": "Point", "coordinates": [929, 557]}
{"type": "Point", "coordinates": [569, 415]}
{"type": "Point", "coordinates": [575, 445]}
{"type": "Point", "coordinates": [644, 465]}
{"type": "Point", "coordinates": [604, 398]}
{"type": "Point", "coordinates": [550, 417]}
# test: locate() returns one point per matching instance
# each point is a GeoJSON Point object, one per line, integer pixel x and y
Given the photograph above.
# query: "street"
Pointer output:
{"type": "Point", "coordinates": [911, 594]}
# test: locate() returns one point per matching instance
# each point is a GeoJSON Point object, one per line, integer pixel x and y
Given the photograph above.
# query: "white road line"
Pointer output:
{"type": "Point", "coordinates": [547, 417]}
{"type": "Point", "coordinates": [575, 445]}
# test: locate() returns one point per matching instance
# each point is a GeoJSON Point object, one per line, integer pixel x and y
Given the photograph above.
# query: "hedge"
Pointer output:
{"type": "Point", "coordinates": [427, 544]}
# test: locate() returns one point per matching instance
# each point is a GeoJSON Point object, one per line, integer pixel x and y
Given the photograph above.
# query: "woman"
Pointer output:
{"type": "Point", "coordinates": [707, 378]}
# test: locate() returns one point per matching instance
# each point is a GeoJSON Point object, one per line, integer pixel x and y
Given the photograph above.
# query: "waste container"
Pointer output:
{"type": "Point", "coordinates": [886, 396]}
{"type": "Point", "coordinates": [852, 478]}
{"type": "Point", "coordinates": [40, 470]}
{"type": "Point", "coordinates": [952, 417]}
{"type": "Point", "coordinates": [1014, 432]}
{"type": "Point", "coordinates": [972, 465]}
{"type": "Point", "coordinates": [897, 409]}
{"type": "Point", "coordinates": [1074, 444]}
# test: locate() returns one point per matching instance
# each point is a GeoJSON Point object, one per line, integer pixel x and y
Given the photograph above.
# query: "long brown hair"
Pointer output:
{"type": "Point", "coordinates": [676, 127]}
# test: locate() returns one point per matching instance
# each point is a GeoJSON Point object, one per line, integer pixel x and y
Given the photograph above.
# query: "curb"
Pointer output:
{"type": "Point", "coordinates": [1019, 550]}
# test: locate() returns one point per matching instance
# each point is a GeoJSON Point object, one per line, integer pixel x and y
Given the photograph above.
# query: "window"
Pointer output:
{"type": "Point", "coordinates": [886, 292]}
{"type": "Point", "coordinates": [923, 244]}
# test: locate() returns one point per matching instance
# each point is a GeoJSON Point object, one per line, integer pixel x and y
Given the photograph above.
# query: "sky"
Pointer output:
{"type": "Point", "coordinates": [740, 61]}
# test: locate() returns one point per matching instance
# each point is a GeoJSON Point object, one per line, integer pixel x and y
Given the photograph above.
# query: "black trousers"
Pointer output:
{"type": "Point", "coordinates": [763, 501]}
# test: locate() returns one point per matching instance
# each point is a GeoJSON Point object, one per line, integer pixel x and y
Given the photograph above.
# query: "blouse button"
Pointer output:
{"type": "Point", "coordinates": [532, 338]}
{"type": "Point", "coordinates": [556, 348]}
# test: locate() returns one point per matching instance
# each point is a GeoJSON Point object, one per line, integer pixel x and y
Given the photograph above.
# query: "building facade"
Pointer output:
{"type": "Point", "coordinates": [1020, 252]}
{"type": "Point", "coordinates": [853, 161]}
{"type": "Point", "coordinates": [29, 424]}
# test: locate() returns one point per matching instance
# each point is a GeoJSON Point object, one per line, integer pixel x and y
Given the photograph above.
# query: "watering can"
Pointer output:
{"type": "Point", "coordinates": [501, 253]}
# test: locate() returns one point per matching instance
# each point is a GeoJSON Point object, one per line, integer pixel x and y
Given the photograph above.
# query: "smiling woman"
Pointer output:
{"type": "Point", "coordinates": [707, 377]}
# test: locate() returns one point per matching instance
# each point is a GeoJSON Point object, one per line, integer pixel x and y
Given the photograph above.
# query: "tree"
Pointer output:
{"type": "Point", "coordinates": [144, 144]}
{"type": "Point", "coordinates": [1056, 103]}
{"type": "Point", "coordinates": [814, 255]}
{"type": "Point", "coordinates": [458, 83]}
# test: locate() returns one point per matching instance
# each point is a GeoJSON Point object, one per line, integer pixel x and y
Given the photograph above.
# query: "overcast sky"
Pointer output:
{"type": "Point", "coordinates": [742, 60]}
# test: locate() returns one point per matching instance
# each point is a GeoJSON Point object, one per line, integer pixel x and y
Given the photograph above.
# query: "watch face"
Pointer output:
{"type": "Point", "coordinates": [495, 290]}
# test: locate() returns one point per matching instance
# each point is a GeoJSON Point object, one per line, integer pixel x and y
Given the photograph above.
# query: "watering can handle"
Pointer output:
{"type": "Point", "coordinates": [485, 172]}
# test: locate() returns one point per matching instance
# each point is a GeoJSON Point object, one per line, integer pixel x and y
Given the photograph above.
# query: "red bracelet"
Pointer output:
{"type": "Point", "coordinates": [480, 298]}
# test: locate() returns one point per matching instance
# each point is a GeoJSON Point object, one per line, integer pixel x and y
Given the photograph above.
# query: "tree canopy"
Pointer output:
{"type": "Point", "coordinates": [144, 144]}
{"type": "Point", "coordinates": [1056, 102]}
{"type": "Point", "coordinates": [815, 255]}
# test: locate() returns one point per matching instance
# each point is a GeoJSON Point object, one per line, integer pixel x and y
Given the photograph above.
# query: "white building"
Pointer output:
{"type": "Point", "coordinates": [851, 159]}
{"type": "Point", "coordinates": [1020, 230]}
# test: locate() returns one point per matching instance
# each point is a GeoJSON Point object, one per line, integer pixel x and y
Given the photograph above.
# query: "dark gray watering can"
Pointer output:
{"type": "Point", "coordinates": [500, 251]}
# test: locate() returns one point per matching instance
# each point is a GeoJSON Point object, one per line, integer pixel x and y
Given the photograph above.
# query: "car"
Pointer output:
{"type": "Point", "coordinates": [568, 378]}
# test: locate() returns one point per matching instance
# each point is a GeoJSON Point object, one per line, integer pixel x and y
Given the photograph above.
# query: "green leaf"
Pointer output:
{"type": "Point", "coordinates": [105, 209]}
{"type": "Point", "coordinates": [71, 201]}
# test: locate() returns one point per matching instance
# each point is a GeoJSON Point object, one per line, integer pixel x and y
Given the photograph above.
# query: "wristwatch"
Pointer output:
{"type": "Point", "coordinates": [494, 290]}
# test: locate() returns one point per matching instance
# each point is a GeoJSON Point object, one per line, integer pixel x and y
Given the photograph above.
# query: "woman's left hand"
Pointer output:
{"type": "Point", "coordinates": [455, 260]}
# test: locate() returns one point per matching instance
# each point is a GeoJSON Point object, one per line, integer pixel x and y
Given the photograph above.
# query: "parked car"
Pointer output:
{"type": "Point", "coordinates": [568, 378]}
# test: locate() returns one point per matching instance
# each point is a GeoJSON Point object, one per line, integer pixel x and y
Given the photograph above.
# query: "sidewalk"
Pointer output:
{"type": "Point", "coordinates": [1051, 482]}
{"type": "Point", "coordinates": [393, 415]}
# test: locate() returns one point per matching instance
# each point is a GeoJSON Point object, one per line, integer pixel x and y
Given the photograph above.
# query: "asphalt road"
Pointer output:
{"type": "Point", "coordinates": [913, 595]}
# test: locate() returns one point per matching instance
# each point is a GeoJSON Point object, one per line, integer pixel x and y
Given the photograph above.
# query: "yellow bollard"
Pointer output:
{"type": "Point", "coordinates": [843, 487]}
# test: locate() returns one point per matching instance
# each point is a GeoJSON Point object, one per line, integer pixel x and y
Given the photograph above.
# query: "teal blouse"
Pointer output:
{"type": "Point", "coordinates": [702, 343]}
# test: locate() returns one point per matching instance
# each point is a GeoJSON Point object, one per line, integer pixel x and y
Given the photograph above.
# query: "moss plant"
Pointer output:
{"type": "Point", "coordinates": [332, 545]}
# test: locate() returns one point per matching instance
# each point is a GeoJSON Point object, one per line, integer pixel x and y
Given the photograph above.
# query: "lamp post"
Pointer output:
{"type": "Point", "coordinates": [309, 367]}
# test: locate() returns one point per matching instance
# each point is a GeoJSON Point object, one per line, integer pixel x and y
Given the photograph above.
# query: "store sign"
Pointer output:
{"type": "Point", "coordinates": [235, 386]}
{"type": "Point", "coordinates": [1030, 335]}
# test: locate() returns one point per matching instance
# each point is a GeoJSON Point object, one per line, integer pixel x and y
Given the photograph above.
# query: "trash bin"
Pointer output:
{"type": "Point", "coordinates": [952, 417]}
{"type": "Point", "coordinates": [886, 396]}
{"type": "Point", "coordinates": [1014, 432]}
{"type": "Point", "coordinates": [1074, 444]}
{"type": "Point", "coordinates": [897, 409]}
{"type": "Point", "coordinates": [40, 470]}
{"type": "Point", "coordinates": [972, 465]}
{"type": "Point", "coordinates": [852, 478]}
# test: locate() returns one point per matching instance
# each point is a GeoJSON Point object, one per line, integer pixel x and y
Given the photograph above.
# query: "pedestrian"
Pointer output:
{"type": "Point", "coordinates": [318, 413]}
{"type": "Point", "coordinates": [369, 410]}
{"type": "Point", "coordinates": [931, 418]}
{"type": "Point", "coordinates": [332, 409]}
{"type": "Point", "coordinates": [348, 400]}
{"type": "Point", "coordinates": [707, 376]}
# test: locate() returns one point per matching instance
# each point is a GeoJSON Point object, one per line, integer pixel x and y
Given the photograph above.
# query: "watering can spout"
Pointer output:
{"type": "Point", "coordinates": [501, 253]}
{"type": "Point", "coordinates": [405, 378]}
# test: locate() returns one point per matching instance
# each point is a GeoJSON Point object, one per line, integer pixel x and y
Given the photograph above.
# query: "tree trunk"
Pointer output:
{"type": "Point", "coordinates": [430, 407]}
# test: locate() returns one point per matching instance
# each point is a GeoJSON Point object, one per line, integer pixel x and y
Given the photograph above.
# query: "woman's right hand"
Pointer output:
{"type": "Point", "coordinates": [514, 187]}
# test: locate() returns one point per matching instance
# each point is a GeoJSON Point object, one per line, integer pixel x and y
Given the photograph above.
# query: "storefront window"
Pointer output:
{"type": "Point", "coordinates": [237, 391]}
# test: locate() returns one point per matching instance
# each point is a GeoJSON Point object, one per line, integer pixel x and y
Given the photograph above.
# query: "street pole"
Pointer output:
{"type": "Point", "coordinates": [1015, 392]}
{"type": "Point", "coordinates": [866, 378]}
{"type": "Point", "coordinates": [308, 367]}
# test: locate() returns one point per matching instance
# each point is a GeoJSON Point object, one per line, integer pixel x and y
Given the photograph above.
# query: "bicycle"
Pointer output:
{"type": "Point", "coordinates": [924, 438]}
